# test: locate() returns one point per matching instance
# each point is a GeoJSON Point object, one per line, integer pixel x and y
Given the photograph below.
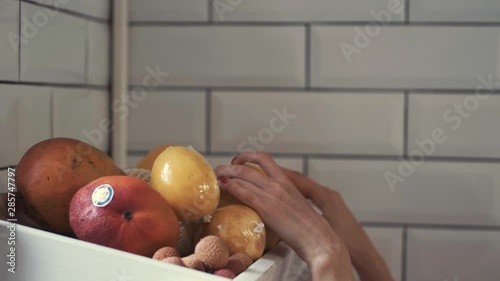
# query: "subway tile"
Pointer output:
{"type": "Point", "coordinates": [169, 10]}
{"type": "Point", "coordinates": [469, 124]}
{"type": "Point", "coordinates": [220, 55]}
{"type": "Point", "coordinates": [167, 117]}
{"type": "Point", "coordinates": [83, 115]}
{"type": "Point", "coordinates": [455, 11]}
{"type": "Point", "coordinates": [9, 40]}
{"type": "Point", "coordinates": [300, 122]}
{"type": "Point", "coordinates": [448, 193]}
{"type": "Point", "coordinates": [308, 10]}
{"type": "Point", "coordinates": [389, 243]}
{"type": "Point", "coordinates": [43, 58]}
{"type": "Point", "coordinates": [24, 120]}
{"type": "Point", "coordinates": [436, 57]}
{"type": "Point", "coordinates": [96, 8]}
{"type": "Point", "coordinates": [98, 53]}
{"type": "Point", "coordinates": [453, 255]}
{"type": "Point", "coordinates": [290, 163]}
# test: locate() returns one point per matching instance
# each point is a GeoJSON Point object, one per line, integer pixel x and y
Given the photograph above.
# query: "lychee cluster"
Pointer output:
{"type": "Point", "coordinates": [211, 254]}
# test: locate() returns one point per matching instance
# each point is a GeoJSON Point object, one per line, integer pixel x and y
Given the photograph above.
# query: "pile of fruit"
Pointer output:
{"type": "Point", "coordinates": [170, 208]}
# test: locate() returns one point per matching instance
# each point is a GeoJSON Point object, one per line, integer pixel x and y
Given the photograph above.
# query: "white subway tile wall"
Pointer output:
{"type": "Point", "coordinates": [83, 115]}
{"type": "Point", "coordinates": [307, 122]}
{"type": "Point", "coordinates": [422, 57]}
{"type": "Point", "coordinates": [168, 10]}
{"type": "Point", "coordinates": [393, 103]}
{"type": "Point", "coordinates": [175, 117]}
{"type": "Point", "coordinates": [100, 9]}
{"type": "Point", "coordinates": [436, 254]}
{"type": "Point", "coordinates": [220, 55]}
{"type": "Point", "coordinates": [470, 125]}
{"type": "Point", "coordinates": [61, 86]}
{"type": "Point", "coordinates": [306, 10]}
{"type": "Point", "coordinates": [42, 60]}
{"type": "Point", "coordinates": [9, 45]}
{"type": "Point", "coordinates": [455, 11]}
{"type": "Point", "coordinates": [99, 49]}
{"type": "Point", "coordinates": [24, 120]}
{"type": "Point", "coordinates": [445, 193]}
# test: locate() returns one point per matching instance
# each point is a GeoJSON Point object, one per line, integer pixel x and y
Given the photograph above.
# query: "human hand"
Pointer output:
{"type": "Point", "coordinates": [364, 256]}
{"type": "Point", "coordinates": [283, 208]}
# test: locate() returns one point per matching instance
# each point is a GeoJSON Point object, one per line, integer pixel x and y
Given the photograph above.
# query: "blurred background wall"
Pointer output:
{"type": "Point", "coordinates": [355, 87]}
{"type": "Point", "coordinates": [54, 72]}
{"type": "Point", "coordinates": [393, 103]}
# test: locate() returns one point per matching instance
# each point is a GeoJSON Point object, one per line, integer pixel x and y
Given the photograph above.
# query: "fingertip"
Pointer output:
{"type": "Point", "coordinates": [223, 181]}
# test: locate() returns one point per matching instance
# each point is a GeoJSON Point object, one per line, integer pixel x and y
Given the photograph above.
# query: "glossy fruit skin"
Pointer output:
{"type": "Point", "coordinates": [227, 198]}
{"type": "Point", "coordinates": [51, 172]}
{"type": "Point", "coordinates": [237, 225]}
{"type": "Point", "coordinates": [187, 181]}
{"type": "Point", "coordinates": [148, 160]}
{"type": "Point", "coordinates": [137, 220]}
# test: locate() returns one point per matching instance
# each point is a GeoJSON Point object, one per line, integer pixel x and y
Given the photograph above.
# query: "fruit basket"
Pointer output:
{"type": "Point", "coordinates": [169, 220]}
{"type": "Point", "coordinates": [40, 255]}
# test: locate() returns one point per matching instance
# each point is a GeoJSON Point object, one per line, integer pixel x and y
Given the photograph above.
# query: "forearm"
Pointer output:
{"type": "Point", "coordinates": [369, 264]}
{"type": "Point", "coordinates": [333, 265]}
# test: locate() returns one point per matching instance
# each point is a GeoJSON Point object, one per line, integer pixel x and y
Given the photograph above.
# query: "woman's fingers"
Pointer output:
{"type": "Point", "coordinates": [242, 172]}
{"type": "Point", "coordinates": [264, 160]}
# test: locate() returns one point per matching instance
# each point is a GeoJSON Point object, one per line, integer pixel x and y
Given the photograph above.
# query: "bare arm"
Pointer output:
{"type": "Point", "coordinates": [286, 211]}
{"type": "Point", "coordinates": [366, 259]}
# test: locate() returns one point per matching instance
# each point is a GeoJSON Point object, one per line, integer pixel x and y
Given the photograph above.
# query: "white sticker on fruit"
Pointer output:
{"type": "Point", "coordinates": [102, 195]}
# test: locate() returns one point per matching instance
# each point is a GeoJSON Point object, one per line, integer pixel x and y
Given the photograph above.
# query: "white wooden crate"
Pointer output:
{"type": "Point", "coordinates": [45, 256]}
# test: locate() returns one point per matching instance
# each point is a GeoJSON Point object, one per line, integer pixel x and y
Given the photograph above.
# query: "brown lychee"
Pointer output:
{"type": "Point", "coordinates": [238, 263]}
{"type": "Point", "coordinates": [212, 251]}
{"type": "Point", "coordinates": [193, 263]}
{"type": "Point", "coordinates": [225, 273]}
{"type": "Point", "coordinates": [173, 260]}
{"type": "Point", "coordinates": [165, 252]}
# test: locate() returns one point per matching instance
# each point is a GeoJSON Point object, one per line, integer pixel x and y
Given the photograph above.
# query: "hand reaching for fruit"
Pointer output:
{"type": "Point", "coordinates": [282, 207]}
{"type": "Point", "coordinates": [365, 258]}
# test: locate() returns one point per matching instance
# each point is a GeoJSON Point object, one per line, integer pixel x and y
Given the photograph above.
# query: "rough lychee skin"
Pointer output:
{"type": "Point", "coordinates": [245, 259]}
{"type": "Point", "coordinates": [238, 263]}
{"type": "Point", "coordinates": [225, 273]}
{"type": "Point", "coordinates": [193, 263]}
{"type": "Point", "coordinates": [165, 252]}
{"type": "Point", "coordinates": [173, 260]}
{"type": "Point", "coordinates": [212, 251]}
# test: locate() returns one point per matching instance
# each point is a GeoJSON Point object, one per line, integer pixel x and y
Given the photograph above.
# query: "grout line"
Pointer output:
{"type": "Point", "coordinates": [305, 165]}
{"type": "Point", "coordinates": [56, 85]}
{"type": "Point", "coordinates": [405, 124]}
{"type": "Point", "coordinates": [308, 57]}
{"type": "Point", "coordinates": [19, 43]}
{"type": "Point", "coordinates": [208, 121]}
{"type": "Point", "coordinates": [404, 253]}
{"type": "Point", "coordinates": [433, 226]}
{"type": "Point", "coordinates": [210, 11]}
{"type": "Point", "coordinates": [322, 89]}
{"type": "Point", "coordinates": [407, 12]}
{"type": "Point", "coordinates": [7, 167]}
{"type": "Point", "coordinates": [68, 12]}
{"type": "Point", "coordinates": [301, 23]}
{"type": "Point", "coordinates": [87, 52]}
{"type": "Point", "coordinates": [364, 157]}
